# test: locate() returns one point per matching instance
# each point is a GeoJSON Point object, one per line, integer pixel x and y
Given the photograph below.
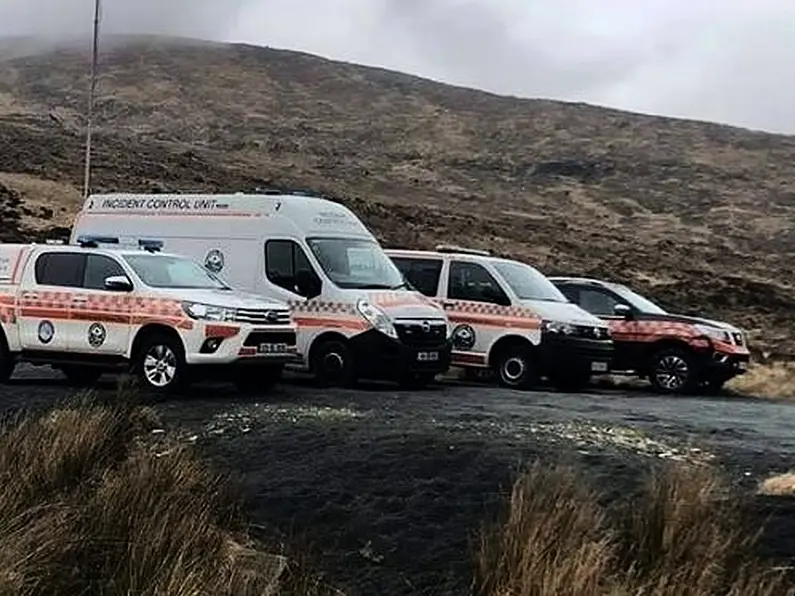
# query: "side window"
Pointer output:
{"type": "Point", "coordinates": [64, 269]}
{"type": "Point", "coordinates": [98, 267]}
{"type": "Point", "coordinates": [470, 281]}
{"type": "Point", "coordinates": [597, 303]}
{"type": "Point", "coordinates": [423, 274]}
{"type": "Point", "coordinates": [287, 266]}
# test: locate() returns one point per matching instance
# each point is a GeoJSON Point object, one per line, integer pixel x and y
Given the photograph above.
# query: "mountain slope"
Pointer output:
{"type": "Point", "coordinates": [698, 215]}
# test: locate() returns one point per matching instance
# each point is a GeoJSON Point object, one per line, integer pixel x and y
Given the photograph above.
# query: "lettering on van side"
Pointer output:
{"type": "Point", "coordinates": [161, 204]}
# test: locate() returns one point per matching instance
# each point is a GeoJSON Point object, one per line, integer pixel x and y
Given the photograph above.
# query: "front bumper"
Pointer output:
{"type": "Point", "coordinates": [716, 365]}
{"type": "Point", "coordinates": [377, 356]}
{"type": "Point", "coordinates": [226, 344]}
{"type": "Point", "coordinates": [563, 354]}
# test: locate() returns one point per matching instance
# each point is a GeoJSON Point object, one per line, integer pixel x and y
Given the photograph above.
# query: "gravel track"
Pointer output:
{"type": "Point", "coordinates": [388, 487]}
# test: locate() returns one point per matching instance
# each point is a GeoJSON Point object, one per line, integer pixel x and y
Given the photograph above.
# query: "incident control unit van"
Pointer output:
{"type": "Point", "coordinates": [356, 317]}
{"type": "Point", "coordinates": [509, 318]}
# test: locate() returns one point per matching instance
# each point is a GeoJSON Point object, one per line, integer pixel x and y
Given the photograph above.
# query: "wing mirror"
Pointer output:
{"type": "Point", "coordinates": [623, 310]}
{"type": "Point", "coordinates": [118, 283]}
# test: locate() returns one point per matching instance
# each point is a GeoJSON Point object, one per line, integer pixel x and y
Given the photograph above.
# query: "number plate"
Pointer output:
{"type": "Point", "coordinates": [599, 366]}
{"type": "Point", "coordinates": [272, 348]}
{"type": "Point", "coordinates": [428, 356]}
{"type": "Point", "coordinates": [742, 365]}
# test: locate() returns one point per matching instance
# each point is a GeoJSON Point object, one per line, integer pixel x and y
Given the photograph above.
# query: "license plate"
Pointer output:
{"type": "Point", "coordinates": [742, 365]}
{"type": "Point", "coordinates": [428, 356]}
{"type": "Point", "coordinates": [599, 366]}
{"type": "Point", "coordinates": [272, 348]}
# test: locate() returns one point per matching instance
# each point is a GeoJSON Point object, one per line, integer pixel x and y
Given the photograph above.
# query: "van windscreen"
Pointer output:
{"type": "Point", "coordinates": [356, 263]}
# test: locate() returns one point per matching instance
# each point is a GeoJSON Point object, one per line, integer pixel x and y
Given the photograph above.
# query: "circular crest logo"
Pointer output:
{"type": "Point", "coordinates": [214, 261]}
{"type": "Point", "coordinates": [46, 332]}
{"type": "Point", "coordinates": [463, 337]}
{"type": "Point", "coordinates": [96, 335]}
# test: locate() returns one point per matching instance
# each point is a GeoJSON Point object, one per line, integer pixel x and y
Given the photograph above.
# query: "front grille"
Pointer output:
{"type": "Point", "coordinates": [270, 337]}
{"type": "Point", "coordinates": [591, 332]}
{"type": "Point", "coordinates": [263, 316]}
{"type": "Point", "coordinates": [415, 335]}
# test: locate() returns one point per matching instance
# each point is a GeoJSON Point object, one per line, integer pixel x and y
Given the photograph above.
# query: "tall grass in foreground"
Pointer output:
{"type": "Point", "coordinates": [87, 506]}
{"type": "Point", "coordinates": [682, 536]}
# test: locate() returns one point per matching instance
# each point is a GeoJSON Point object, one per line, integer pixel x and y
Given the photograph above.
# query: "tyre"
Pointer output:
{"type": "Point", "coordinates": [516, 368]}
{"type": "Point", "coordinates": [258, 380]}
{"type": "Point", "coordinates": [160, 363]}
{"type": "Point", "coordinates": [671, 370]}
{"type": "Point", "coordinates": [81, 376]}
{"type": "Point", "coordinates": [7, 363]}
{"type": "Point", "coordinates": [332, 364]}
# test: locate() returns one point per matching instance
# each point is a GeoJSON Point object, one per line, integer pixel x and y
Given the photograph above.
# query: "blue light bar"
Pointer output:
{"type": "Point", "coordinates": [89, 241]}
{"type": "Point", "coordinates": [151, 245]}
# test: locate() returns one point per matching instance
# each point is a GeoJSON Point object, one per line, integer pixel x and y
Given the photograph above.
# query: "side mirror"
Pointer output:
{"type": "Point", "coordinates": [118, 283]}
{"type": "Point", "coordinates": [307, 284]}
{"type": "Point", "coordinates": [623, 310]}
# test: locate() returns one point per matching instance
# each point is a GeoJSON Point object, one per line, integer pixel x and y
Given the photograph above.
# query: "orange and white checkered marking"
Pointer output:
{"type": "Point", "coordinates": [103, 308]}
{"type": "Point", "coordinates": [651, 331]}
{"type": "Point", "coordinates": [492, 315]}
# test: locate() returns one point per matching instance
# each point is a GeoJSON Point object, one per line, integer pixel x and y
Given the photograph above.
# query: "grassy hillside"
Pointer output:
{"type": "Point", "coordinates": [698, 215]}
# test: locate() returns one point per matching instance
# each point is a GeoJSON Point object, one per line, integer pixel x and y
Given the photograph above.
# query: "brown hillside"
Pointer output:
{"type": "Point", "coordinates": [698, 215]}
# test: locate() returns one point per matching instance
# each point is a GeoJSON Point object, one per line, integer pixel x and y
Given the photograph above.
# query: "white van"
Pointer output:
{"type": "Point", "coordinates": [509, 318]}
{"type": "Point", "coordinates": [356, 317]}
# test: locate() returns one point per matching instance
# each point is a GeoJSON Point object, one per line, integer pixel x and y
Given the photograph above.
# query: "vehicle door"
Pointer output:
{"type": "Point", "coordinates": [475, 303]}
{"type": "Point", "coordinates": [45, 301]}
{"type": "Point", "coordinates": [601, 302]}
{"type": "Point", "coordinates": [101, 318]}
{"type": "Point", "coordinates": [423, 273]}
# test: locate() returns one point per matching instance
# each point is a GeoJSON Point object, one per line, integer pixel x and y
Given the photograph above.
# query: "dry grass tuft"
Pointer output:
{"type": "Point", "coordinates": [781, 485]}
{"type": "Point", "coordinates": [89, 507]}
{"type": "Point", "coordinates": [680, 536]}
{"type": "Point", "coordinates": [775, 380]}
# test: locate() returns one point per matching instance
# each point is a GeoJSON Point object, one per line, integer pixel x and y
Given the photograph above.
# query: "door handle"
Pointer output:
{"type": "Point", "coordinates": [448, 305]}
{"type": "Point", "coordinates": [30, 296]}
{"type": "Point", "coordinates": [79, 299]}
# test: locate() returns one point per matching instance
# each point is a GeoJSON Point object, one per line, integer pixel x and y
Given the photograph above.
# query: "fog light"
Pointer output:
{"type": "Point", "coordinates": [210, 345]}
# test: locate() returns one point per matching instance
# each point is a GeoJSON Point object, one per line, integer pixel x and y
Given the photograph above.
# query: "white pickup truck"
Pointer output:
{"type": "Point", "coordinates": [86, 310]}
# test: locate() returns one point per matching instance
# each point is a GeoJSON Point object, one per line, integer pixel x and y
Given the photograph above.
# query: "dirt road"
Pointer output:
{"type": "Point", "coordinates": [388, 487]}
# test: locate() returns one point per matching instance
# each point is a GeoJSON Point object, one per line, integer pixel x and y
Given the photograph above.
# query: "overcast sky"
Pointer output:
{"type": "Point", "coordinates": [724, 60]}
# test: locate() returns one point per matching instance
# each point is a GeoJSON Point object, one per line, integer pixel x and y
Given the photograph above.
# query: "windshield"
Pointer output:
{"type": "Point", "coordinates": [356, 263]}
{"type": "Point", "coordinates": [160, 271]}
{"type": "Point", "coordinates": [528, 283]}
{"type": "Point", "coordinates": [644, 305]}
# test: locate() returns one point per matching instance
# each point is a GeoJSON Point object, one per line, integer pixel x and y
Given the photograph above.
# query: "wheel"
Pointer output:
{"type": "Point", "coordinates": [81, 376]}
{"type": "Point", "coordinates": [417, 380]}
{"type": "Point", "coordinates": [671, 370]}
{"type": "Point", "coordinates": [258, 380]}
{"type": "Point", "coordinates": [7, 363]}
{"type": "Point", "coordinates": [332, 363]}
{"type": "Point", "coordinates": [516, 368]}
{"type": "Point", "coordinates": [160, 363]}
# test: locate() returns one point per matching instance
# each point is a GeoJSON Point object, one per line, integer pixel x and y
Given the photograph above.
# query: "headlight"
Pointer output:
{"type": "Point", "coordinates": [558, 327]}
{"type": "Point", "coordinates": [208, 312]}
{"type": "Point", "coordinates": [377, 318]}
{"type": "Point", "coordinates": [713, 332]}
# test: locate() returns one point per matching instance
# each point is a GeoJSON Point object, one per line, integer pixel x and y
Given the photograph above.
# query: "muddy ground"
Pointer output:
{"type": "Point", "coordinates": [388, 487]}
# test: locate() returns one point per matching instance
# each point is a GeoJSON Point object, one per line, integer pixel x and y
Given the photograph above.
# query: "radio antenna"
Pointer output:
{"type": "Point", "coordinates": [91, 90]}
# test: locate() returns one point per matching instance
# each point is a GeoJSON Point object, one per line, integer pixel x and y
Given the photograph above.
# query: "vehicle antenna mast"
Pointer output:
{"type": "Point", "coordinates": [91, 90]}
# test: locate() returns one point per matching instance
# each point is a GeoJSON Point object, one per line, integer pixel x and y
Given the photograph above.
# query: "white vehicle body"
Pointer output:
{"type": "Point", "coordinates": [507, 316]}
{"type": "Point", "coordinates": [86, 308]}
{"type": "Point", "coordinates": [355, 316]}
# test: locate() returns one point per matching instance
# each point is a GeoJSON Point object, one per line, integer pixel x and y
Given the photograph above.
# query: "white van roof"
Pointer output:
{"type": "Point", "coordinates": [308, 213]}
